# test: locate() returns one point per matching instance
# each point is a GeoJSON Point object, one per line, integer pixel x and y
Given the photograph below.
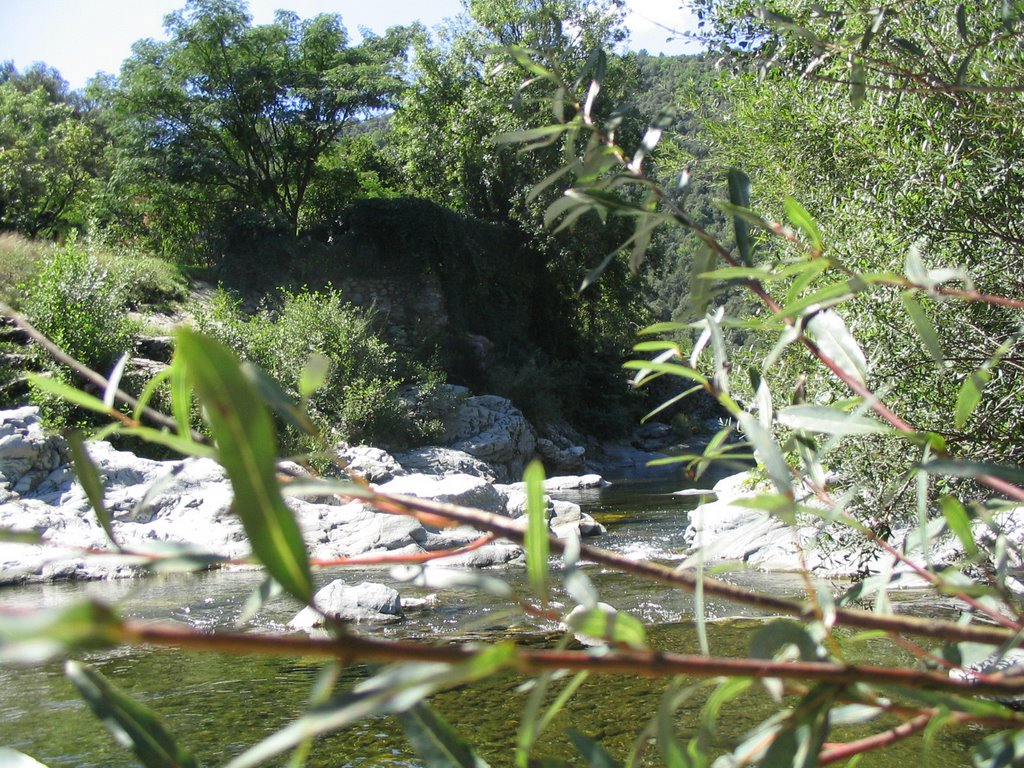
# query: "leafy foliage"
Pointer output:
{"type": "Point", "coordinates": [78, 304]}
{"type": "Point", "coordinates": [360, 399]}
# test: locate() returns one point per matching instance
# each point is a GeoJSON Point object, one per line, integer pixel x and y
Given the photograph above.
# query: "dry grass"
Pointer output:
{"type": "Point", "coordinates": [19, 260]}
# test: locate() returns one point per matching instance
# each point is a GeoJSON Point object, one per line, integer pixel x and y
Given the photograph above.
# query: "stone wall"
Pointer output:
{"type": "Point", "coordinates": [403, 302]}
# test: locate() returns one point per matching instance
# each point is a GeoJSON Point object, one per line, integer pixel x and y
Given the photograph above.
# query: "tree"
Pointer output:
{"type": "Point", "coordinates": [50, 153]}
{"type": "Point", "coordinates": [243, 113]}
{"type": "Point", "coordinates": [899, 129]}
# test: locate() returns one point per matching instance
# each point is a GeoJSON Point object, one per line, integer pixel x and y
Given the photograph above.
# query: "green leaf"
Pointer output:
{"type": "Point", "coordinates": [673, 369]}
{"type": "Point", "coordinates": [42, 635]}
{"type": "Point", "coordinates": [969, 396]}
{"type": "Point", "coordinates": [91, 482]}
{"type": "Point", "coordinates": [830, 333]}
{"type": "Point", "coordinates": [605, 623]}
{"type": "Point", "coordinates": [802, 220]}
{"type": "Point", "coordinates": [67, 392]}
{"type": "Point", "coordinates": [768, 453]}
{"type": "Point", "coordinates": [908, 46]}
{"type": "Point", "coordinates": [313, 375]}
{"type": "Point", "coordinates": [114, 381]}
{"type": "Point", "coordinates": [858, 83]}
{"type": "Point", "coordinates": [546, 134]}
{"type": "Point", "coordinates": [149, 390]}
{"type": "Point", "coordinates": [595, 755]}
{"type": "Point", "coordinates": [435, 741]}
{"type": "Point", "coordinates": [923, 325]}
{"type": "Point", "coordinates": [739, 195]}
{"type": "Point", "coordinates": [246, 448]}
{"type": "Point", "coordinates": [181, 395]}
{"type": "Point", "coordinates": [831, 421]}
{"type": "Point", "coordinates": [280, 402]}
{"type": "Point", "coordinates": [959, 523]}
{"type": "Point", "coordinates": [130, 723]}
{"type": "Point", "coordinates": [184, 445]}
{"type": "Point", "coordinates": [961, 23]}
{"type": "Point", "coordinates": [799, 741]}
{"type": "Point", "coordinates": [12, 758]}
{"type": "Point", "coordinates": [392, 690]}
{"type": "Point", "coordinates": [14, 536]}
{"type": "Point", "coordinates": [974, 469]}
{"type": "Point", "coordinates": [536, 542]}
{"type": "Point", "coordinates": [776, 636]}
{"type": "Point", "coordinates": [1000, 750]}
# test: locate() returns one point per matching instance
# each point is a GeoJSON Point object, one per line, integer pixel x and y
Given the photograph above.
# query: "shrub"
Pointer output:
{"type": "Point", "coordinates": [79, 306]}
{"type": "Point", "coordinates": [359, 401]}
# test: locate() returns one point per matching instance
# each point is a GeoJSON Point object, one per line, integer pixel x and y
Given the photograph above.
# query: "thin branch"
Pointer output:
{"type": "Point", "coordinates": [88, 373]}
{"type": "Point", "coordinates": [353, 648]}
{"type": "Point", "coordinates": [503, 526]}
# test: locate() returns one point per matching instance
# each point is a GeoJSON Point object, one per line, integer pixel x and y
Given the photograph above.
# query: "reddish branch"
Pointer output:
{"type": "Point", "coordinates": [352, 648]}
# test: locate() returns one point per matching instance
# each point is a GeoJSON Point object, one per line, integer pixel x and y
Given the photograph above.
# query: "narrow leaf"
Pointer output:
{"type": "Point", "coordinates": [131, 724]}
{"type": "Point", "coordinates": [114, 381]}
{"type": "Point", "coordinates": [834, 339]}
{"type": "Point", "coordinates": [604, 622]}
{"type": "Point", "coordinates": [593, 753]}
{"type": "Point", "coordinates": [12, 758]}
{"type": "Point", "coordinates": [858, 83]}
{"type": "Point", "coordinates": [739, 195]}
{"type": "Point", "coordinates": [969, 396]}
{"type": "Point", "coordinates": [923, 325]}
{"type": "Point", "coordinates": [830, 421]}
{"type": "Point", "coordinates": [536, 541]}
{"type": "Point", "coordinates": [246, 448]}
{"type": "Point", "coordinates": [89, 477]}
{"type": "Point", "coordinates": [768, 452]}
{"type": "Point", "coordinates": [67, 392]}
{"type": "Point", "coordinates": [975, 469]}
{"type": "Point", "coordinates": [313, 375]}
{"type": "Point", "coordinates": [959, 523]}
{"type": "Point", "coordinates": [435, 741]}
{"type": "Point", "coordinates": [802, 220]}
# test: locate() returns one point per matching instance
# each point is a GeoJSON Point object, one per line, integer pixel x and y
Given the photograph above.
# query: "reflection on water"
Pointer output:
{"type": "Point", "coordinates": [219, 705]}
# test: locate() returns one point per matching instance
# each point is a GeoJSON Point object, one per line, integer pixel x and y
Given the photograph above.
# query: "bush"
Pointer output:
{"type": "Point", "coordinates": [359, 401]}
{"type": "Point", "coordinates": [79, 306]}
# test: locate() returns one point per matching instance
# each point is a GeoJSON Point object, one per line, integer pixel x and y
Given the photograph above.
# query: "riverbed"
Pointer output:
{"type": "Point", "coordinates": [218, 705]}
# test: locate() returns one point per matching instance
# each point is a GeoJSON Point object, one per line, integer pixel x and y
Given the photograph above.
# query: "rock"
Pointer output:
{"type": "Point", "coordinates": [653, 436]}
{"type": "Point", "coordinates": [367, 601]}
{"type": "Point", "coordinates": [464, 490]}
{"type": "Point", "coordinates": [435, 460]}
{"type": "Point", "coordinates": [372, 464]}
{"type": "Point", "coordinates": [492, 429]}
{"type": "Point", "coordinates": [569, 483]}
{"type": "Point", "coordinates": [621, 460]}
{"type": "Point", "coordinates": [186, 504]}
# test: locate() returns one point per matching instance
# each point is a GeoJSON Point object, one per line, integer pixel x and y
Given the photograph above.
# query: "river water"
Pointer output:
{"type": "Point", "coordinates": [218, 705]}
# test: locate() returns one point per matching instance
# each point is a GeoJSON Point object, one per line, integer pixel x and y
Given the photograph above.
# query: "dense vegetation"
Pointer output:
{"type": "Point", "coordinates": [252, 155]}
{"type": "Point", "coordinates": [851, 305]}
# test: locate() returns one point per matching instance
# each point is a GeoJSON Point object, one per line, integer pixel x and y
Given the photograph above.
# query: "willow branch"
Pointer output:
{"type": "Point", "coordinates": [935, 629]}
{"type": "Point", "coordinates": [88, 373]}
{"type": "Point", "coordinates": [352, 648]}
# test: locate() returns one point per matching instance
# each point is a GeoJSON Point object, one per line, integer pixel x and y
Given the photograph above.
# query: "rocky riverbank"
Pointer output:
{"type": "Point", "coordinates": [163, 505]}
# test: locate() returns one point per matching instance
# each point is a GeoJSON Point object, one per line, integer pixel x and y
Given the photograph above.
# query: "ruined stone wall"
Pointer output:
{"type": "Point", "coordinates": [404, 303]}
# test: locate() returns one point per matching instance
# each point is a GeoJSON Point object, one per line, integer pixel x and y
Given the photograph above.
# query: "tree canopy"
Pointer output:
{"type": "Point", "coordinates": [246, 112]}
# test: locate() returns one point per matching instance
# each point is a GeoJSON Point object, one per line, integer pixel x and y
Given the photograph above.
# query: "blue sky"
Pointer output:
{"type": "Point", "coordinates": [83, 38]}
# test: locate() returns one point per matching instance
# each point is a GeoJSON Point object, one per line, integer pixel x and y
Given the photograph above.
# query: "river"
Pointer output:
{"type": "Point", "coordinates": [218, 705]}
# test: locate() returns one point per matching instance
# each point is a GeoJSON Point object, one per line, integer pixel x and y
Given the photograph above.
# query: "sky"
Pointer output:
{"type": "Point", "coordinates": [82, 38]}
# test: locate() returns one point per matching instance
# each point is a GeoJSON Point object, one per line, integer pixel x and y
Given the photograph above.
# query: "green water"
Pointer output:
{"type": "Point", "coordinates": [219, 705]}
